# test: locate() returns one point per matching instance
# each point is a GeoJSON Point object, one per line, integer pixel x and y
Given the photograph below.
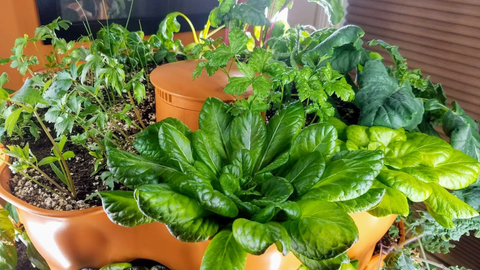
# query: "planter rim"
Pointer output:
{"type": "Point", "coordinates": [9, 197]}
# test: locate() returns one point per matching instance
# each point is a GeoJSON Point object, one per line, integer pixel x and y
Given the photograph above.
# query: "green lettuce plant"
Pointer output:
{"type": "Point", "coordinates": [250, 184]}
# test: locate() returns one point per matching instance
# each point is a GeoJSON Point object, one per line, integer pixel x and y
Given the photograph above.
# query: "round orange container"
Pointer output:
{"type": "Point", "coordinates": [178, 95]}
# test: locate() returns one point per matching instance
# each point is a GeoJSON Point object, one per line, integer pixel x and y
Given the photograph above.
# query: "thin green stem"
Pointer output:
{"type": "Point", "coordinates": [137, 113]}
{"type": "Point", "coordinates": [55, 146]}
{"type": "Point", "coordinates": [214, 31]}
{"type": "Point", "coordinates": [114, 122]}
{"type": "Point", "coordinates": [423, 251]}
{"type": "Point", "coordinates": [129, 13]}
{"type": "Point", "coordinates": [441, 266]}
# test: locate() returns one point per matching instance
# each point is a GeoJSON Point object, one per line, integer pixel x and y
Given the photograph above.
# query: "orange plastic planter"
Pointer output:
{"type": "Point", "coordinates": [178, 95]}
{"type": "Point", "coordinates": [71, 240]}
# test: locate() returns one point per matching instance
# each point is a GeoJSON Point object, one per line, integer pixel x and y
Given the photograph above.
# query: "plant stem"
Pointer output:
{"type": "Point", "coordinates": [215, 31]}
{"type": "Point", "coordinates": [55, 146]}
{"type": "Point", "coordinates": [36, 182]}
{"type": "Point", "coordinates": [430, 262]}
{"type": "Point", "coordinates": [423, 251]}
{"type": "Point", "coordinates": [137, 113]}
{"type": "Point", "coordinates": [129, 13]}
{"type": "Point", "coordinates": [195, 38]}
{"type": "Point", "coordinates": [44, 174]}
{"type": "Point", "coordinates": [114, 122]}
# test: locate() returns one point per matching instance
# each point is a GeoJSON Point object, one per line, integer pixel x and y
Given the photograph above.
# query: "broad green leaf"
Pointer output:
{"type": "Point", "coordinates": [281, 130]}
{"type": "Point", "coordinates": [277, 189]}
{"type": "Point", "coordinates": [306, 172]}
{"type": "Point", "coordinates": [329, 264]}
{"type": "Point", "coordinates": [197, 230]}
{"type": "Point", "coordinates": [251, 12]}
{"type": "Point", "coordinates": [416, 190]}
{"type": "Point", "coordinates": [132, 170]}
{"type": "Point", "coordinates": [243, 160]}
{"type": "Point", "coordinates": [224, 252]}
{"type": "Point", "coordinates": [462, 130]}
{"type": "Point", "coordinates": [363, 203]}
{"type": "Point", "coordinates": [348, 175]}
{"type": "Point", "coordinates": [317, 137]}
{"type": "Point", "coordinates": [323, 231]}
{"type": "Point", "coordinates": [161, 203]}
{"type": "Point", "coordinates": [248, 132]}
{"type": "Point", "coordinates": [175, 144]}
{"type": "Point", "coordinates": [393, 202]}
{"type": "Point", "coordinates": [442, 203]}
{"type": "Point", "coordinates": [167, 28]}
{"type": "Point", "coordinates": [255, 237]}
{"type": "Point", "coordinates": [229, 183]}
{"type": "Point", "coordinates": [205, 151]}
{"type": "Point", "coordinates": [386, 135]}
{"type": "Point", "coordinates": [214, 120]}
{"type": "Point", "coordinates": [333, 8]}
{"type": "Point", "coordinates": [28, 95]}
{"type": "Point", "coordinates": [434, 150]}
{"type": "Point", "coordinates": [402, 154]}
{"type": "Point", "coordinates": [122, 209]}
{"type": "Point", "coordinates": [281, 160]}
{"type": "Point", "coordinates": [358, 135]}
{"type": "Point", "coordinates": [394, 105]}
{"type": "Point", "coordinates": [146, 142]}
{"type": "Point", "coordinates": [459, 171]}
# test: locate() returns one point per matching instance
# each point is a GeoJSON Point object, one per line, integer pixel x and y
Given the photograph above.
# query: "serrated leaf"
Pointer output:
{"type": "Point", "coordinates": [237, 85]}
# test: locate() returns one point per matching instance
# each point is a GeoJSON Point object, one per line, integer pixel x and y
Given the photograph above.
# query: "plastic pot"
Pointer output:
{"type": "Point", "coordinates": [72, 240]}
{"type": "Point", "coordinates": [178, 95]}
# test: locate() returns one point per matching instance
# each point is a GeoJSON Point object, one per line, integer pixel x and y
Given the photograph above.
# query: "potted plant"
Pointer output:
{"type": "Point", "coordinates": [250, 185]}
{"type": "Point", "coordinates": [83, 95]}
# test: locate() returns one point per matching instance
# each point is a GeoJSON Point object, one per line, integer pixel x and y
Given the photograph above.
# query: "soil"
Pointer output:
{"type": "Point", "coordinates": [81, 166]}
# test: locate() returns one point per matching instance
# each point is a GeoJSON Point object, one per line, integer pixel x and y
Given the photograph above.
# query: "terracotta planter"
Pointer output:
{"type": "Point", "coordinates": [178, 95]}
{"type": "Point", "coordinates": [87, 238]}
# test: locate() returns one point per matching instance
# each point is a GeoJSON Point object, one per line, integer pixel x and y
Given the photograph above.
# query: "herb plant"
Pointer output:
{"type": "Point", "coordinates": [238, 179]}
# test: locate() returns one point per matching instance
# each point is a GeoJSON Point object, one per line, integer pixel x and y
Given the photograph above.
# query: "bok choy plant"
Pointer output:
{"type": "Point", "coordinates": [247, 184]}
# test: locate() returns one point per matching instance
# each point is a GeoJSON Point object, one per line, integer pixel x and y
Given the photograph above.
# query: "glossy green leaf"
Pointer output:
{"type": "Point", "coordinates": [117, 266]}
{"type": "Point", "coordinates": [161, 203]}
{"type": "Point", "coordinates": [402, 154]}
{"type": "Point", "coordinates": [324, 230]}
{"type": "Point", "coordinates": [434, 150]}
{"type": "Point", "coordinates": [33, 255]}
{"type": "Point", "coordinates": [416, 190]}
{"type": "Point", "coordinates": [281, 160]}
{"type": "Point", "coordinates": [197, 230]}
{"type": "Point", "coordinates": [8, 252]}
{"type": "Point", "coordinates": [459, 171]}
{"type": "Point", "coordinates": [394, 105]}
{"type": "Point", "coordinates": [243, 160]}
{"type": "Point", "coordinates": [175, 144]}
{"type": "Point", "coordinates": [445, 205]}
{"type": "Point", "coordinates": [348, 175]}
{"type": "Point", "coordinates": [393, 202]}
{"type": "Point", "coordinates": [307, 172]}
{"type": "Point", "coordinates": [277, 189]}
{"type": "Point", "coordinates": [462, 130]}
{"type": "Point", "coordinates": [229, 183]}
{"type": "Point", "coordinates": [224, 252]}
{"type": "Point", "coordinates": [248, 132]}
{"type": "Point", "coordinates": [358, 135]}
{"type": "Point", "coordinates": [329, 264]}
{"type": "Point", "coordinates": [363, 203]}
{"type": "Point", "coordinates": [251, 12]}
{"type": "Point", "coordinates": [122, 209]}
{"type": "Point", "coordinates": [386, 135]}
{"type": "Point", "coordinates": [205, 151]}
{"type": "Point", "coordinates": [214, 120]}
{"type": "Point", "coordinates": [317, 137]}
{"type": "Point", "coordinates": [132, 170]}
{"type": "Point", "coordinates": [281, 130]}
{"type": "Point", "coordinates": [255, 237]}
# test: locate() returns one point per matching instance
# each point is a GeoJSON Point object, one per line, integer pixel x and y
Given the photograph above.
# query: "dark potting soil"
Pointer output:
{"type": "Point", "coordinates": [81, 167]}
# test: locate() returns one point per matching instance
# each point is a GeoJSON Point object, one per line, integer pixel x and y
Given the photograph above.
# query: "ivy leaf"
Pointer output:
{"type": "Point", "coordinates": [224, 252]}
{"type": "Point", "coordinates": [122, 209]}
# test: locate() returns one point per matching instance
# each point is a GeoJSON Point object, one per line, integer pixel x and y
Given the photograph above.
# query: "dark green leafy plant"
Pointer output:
{"type": "Point", "coordinates": [239, 179]}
